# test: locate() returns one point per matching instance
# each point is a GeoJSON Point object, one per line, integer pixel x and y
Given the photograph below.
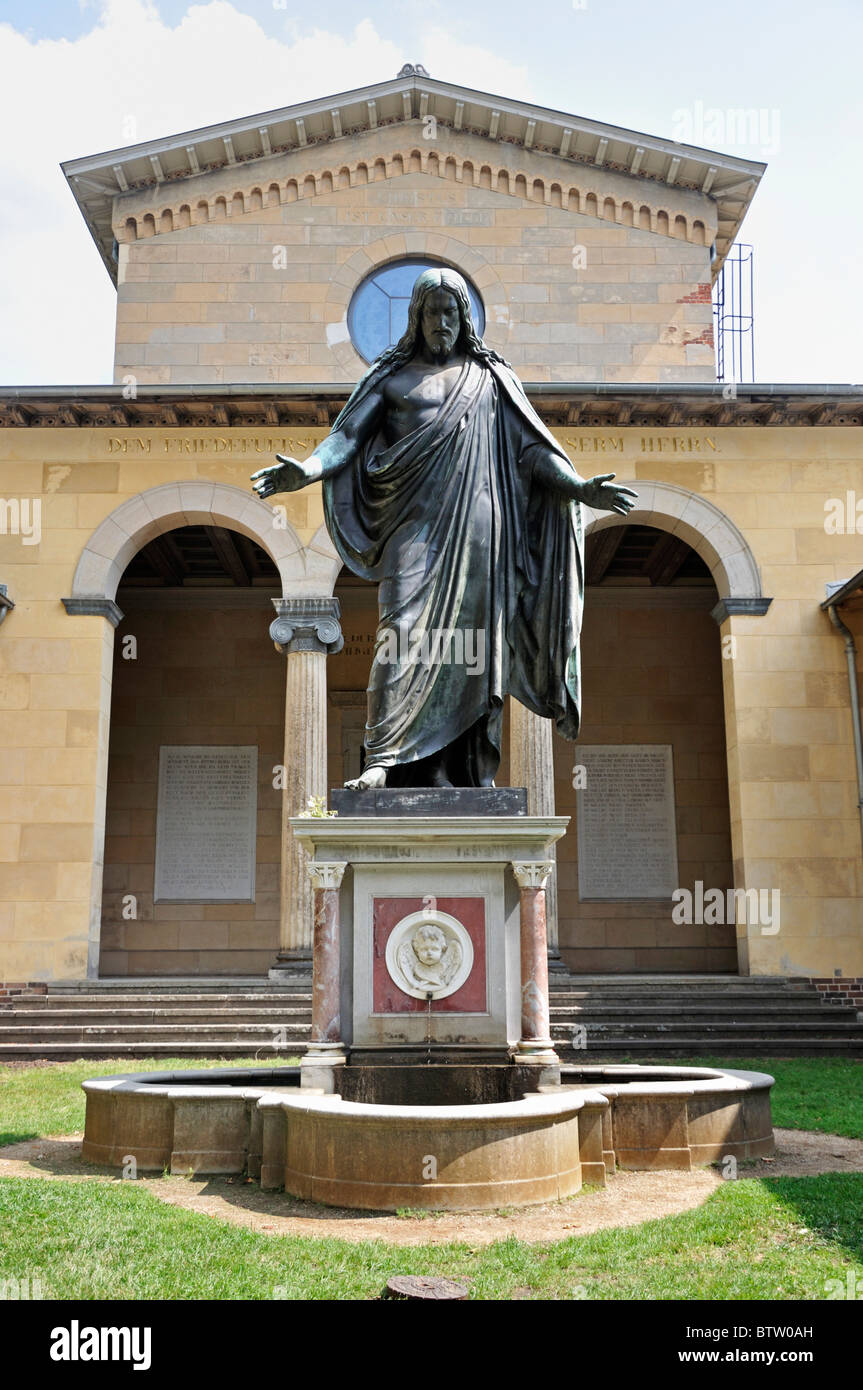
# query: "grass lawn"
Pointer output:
{"type": "Point", "coordinates": [775, 1238]}
{"type": "Point", "coordinates": [779, 1239]}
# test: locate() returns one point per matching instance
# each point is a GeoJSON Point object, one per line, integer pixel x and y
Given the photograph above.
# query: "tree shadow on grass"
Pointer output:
{"type": "Point", "coordinates": [830, 1205]}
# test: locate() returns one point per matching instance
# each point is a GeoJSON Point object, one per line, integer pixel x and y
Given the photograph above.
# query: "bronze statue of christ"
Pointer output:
{"type": "Point", "coordinates": [442, 484]}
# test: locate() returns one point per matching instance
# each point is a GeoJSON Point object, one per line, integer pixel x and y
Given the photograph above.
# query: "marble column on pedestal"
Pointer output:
{"type": "Point", "coordinates": [531, 765]}
{"type": "Point", "coordinates": [306, 631]}
{"type": "Point", "coordinates": [535, 1044]}
{"type": "Point", "coordinates": [326, 1051]}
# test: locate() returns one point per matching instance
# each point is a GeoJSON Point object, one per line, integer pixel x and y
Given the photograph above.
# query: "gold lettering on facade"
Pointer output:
{"type": "Point", "coordinates": [133, 445]}
{"type": "Point", "coordinates": [301, 446]}
{"type": "Point", "coordinates": [676, 444]}
{"type": "Point", "coordinates": [266, 445]}
{"type": "Point", "coordinates": [597, 444]}
{"type": "Point", "coordinates": [647, 443]}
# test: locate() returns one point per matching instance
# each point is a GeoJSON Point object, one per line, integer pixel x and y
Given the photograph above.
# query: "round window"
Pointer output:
{"type": "Point", "coordinates": [378, 313]}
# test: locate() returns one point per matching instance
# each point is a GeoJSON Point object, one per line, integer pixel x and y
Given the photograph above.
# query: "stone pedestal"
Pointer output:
{"type": "Point", "coordinates": [306, 631]}
{"type": "Point", "coordinates": [531, 765]}
{"type": "Point", "coordinates": [442, 953]}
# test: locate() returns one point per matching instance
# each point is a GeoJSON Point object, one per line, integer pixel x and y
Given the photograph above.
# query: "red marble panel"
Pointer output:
{"type": "Point", "coordinates": [471, 998]}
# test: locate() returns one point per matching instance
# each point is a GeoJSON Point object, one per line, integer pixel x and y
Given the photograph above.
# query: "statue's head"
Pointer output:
{"type": "Point", "coordinates": [440, 311]}
{"type": "Point", "coordinates": [439, 317]}
{"type": "Point", "coordinates": [429, 943]}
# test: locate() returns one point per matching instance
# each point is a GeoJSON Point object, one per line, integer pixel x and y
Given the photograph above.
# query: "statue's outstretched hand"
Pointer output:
{"type": "Point", "coordinates": [599, 494]}
{"type": "Point", "coordinates": [288, 475]}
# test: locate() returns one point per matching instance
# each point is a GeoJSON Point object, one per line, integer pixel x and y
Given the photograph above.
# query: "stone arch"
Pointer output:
{"type": "Point", "coordinates": [138, 520]}
{"type": "Point", "coordinates": [708, 530]}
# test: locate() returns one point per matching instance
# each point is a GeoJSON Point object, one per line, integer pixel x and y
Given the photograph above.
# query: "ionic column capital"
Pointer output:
{"type": "Point", "coordinates": [533, 873]}
{"type": "Point", "coordinates": [326, 874]}
{"type": "Point", "coordinates": [307, 625]}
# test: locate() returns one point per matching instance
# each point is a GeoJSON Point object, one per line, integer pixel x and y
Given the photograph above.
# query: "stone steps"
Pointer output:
{"type": "Point", "coordinates": [794, 1028]}
{"type": "Point", "coordinates": [71, 1052]}
{"type": "Point", "coordinates": [660, 1016]}
{"type": "Point", "coordinates": [611, 992]}
{"type": "Point", "coordinates": [158, 1017]}
{"type": "Point", "coordinates": [778, 1008]}
{"type": "Point", "coordinates": [255, 1035]}
{"type": "Point", "coordinates": [619, 1049]}
{"type": "Point", "coordinates": [142, 1010]}
{"type": "Point", "coordinates": [651, 1016]}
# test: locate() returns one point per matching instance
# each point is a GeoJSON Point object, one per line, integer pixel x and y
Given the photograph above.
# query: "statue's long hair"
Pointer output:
{"type": "Point", "coordinates": [437, 278]}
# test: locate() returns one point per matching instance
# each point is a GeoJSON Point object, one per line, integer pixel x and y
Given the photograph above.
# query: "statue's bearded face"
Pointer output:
{"type": "Point", "coordinates": [441, 322]}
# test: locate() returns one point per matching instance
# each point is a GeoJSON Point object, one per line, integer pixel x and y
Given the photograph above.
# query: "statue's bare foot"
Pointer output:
{"type": "Point", "coordinates": [373, 776]}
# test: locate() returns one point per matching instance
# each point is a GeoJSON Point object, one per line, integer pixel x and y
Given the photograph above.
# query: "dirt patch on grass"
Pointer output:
{"type": "Point", "coordinates": [627, 1200]}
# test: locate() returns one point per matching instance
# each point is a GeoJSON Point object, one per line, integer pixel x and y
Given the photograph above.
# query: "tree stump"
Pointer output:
{"type": "Point", "coordinates": [413, 1286]}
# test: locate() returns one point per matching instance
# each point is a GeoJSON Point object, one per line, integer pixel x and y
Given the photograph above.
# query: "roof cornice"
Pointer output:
{"type": "Point", "coordinates": [96, 180]}
{"type": "Point", "coordinates": [560, 404]}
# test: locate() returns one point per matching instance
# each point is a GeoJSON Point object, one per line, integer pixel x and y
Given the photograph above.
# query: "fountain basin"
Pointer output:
{"type": "Point", "coordinates": [463, 1152]}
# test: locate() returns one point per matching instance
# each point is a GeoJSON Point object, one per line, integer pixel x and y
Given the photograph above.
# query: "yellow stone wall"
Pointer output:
{"type": "Point", "coordinates": [791, 772]}
{"type": "Point", "coordinates": [246, 274]}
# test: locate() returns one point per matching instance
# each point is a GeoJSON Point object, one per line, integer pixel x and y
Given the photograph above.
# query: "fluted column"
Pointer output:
{"type": "Point", "coordinates": [535, 1044]}
{"type": "Point", "coordinates": [306, 630]}
{"type": "Point", "coordinates": [531, 765]}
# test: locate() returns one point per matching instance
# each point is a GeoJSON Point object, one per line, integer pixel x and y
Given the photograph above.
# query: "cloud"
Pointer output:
{"type": "Point", "coordinates": [134, 77]}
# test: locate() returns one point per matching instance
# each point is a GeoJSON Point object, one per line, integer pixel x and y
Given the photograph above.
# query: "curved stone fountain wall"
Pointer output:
{"type": "Point", "coordinates": [445, 1157]}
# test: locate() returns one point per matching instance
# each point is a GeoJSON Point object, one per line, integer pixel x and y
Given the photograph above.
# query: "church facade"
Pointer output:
{"type": "Point", "coordinates": [182, 666]}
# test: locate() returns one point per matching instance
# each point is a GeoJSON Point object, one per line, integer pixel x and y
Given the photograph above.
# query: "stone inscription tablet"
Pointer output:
{"type": "Point", "coordinates": [206, 824]}
{"type": "Point", "coordinates": [627, 837]}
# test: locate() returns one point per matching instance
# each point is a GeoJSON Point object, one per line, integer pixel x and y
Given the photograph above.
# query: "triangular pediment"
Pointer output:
{"type": "Point", "coordinates": [325, 129]}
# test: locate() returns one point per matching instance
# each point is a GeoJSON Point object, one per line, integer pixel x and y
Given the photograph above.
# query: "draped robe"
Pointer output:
{"type": "Point", "coordinates": [461, 538]}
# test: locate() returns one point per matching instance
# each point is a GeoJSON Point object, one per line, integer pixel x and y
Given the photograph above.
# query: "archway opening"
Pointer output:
{"type": "Point", "coordinates": [193, 809]}
{"type": "Point", "coordinates": [652, 700]}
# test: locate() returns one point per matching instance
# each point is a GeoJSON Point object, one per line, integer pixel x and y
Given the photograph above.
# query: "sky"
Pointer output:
{"type": "Point", "coordinates": [82, 76]}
